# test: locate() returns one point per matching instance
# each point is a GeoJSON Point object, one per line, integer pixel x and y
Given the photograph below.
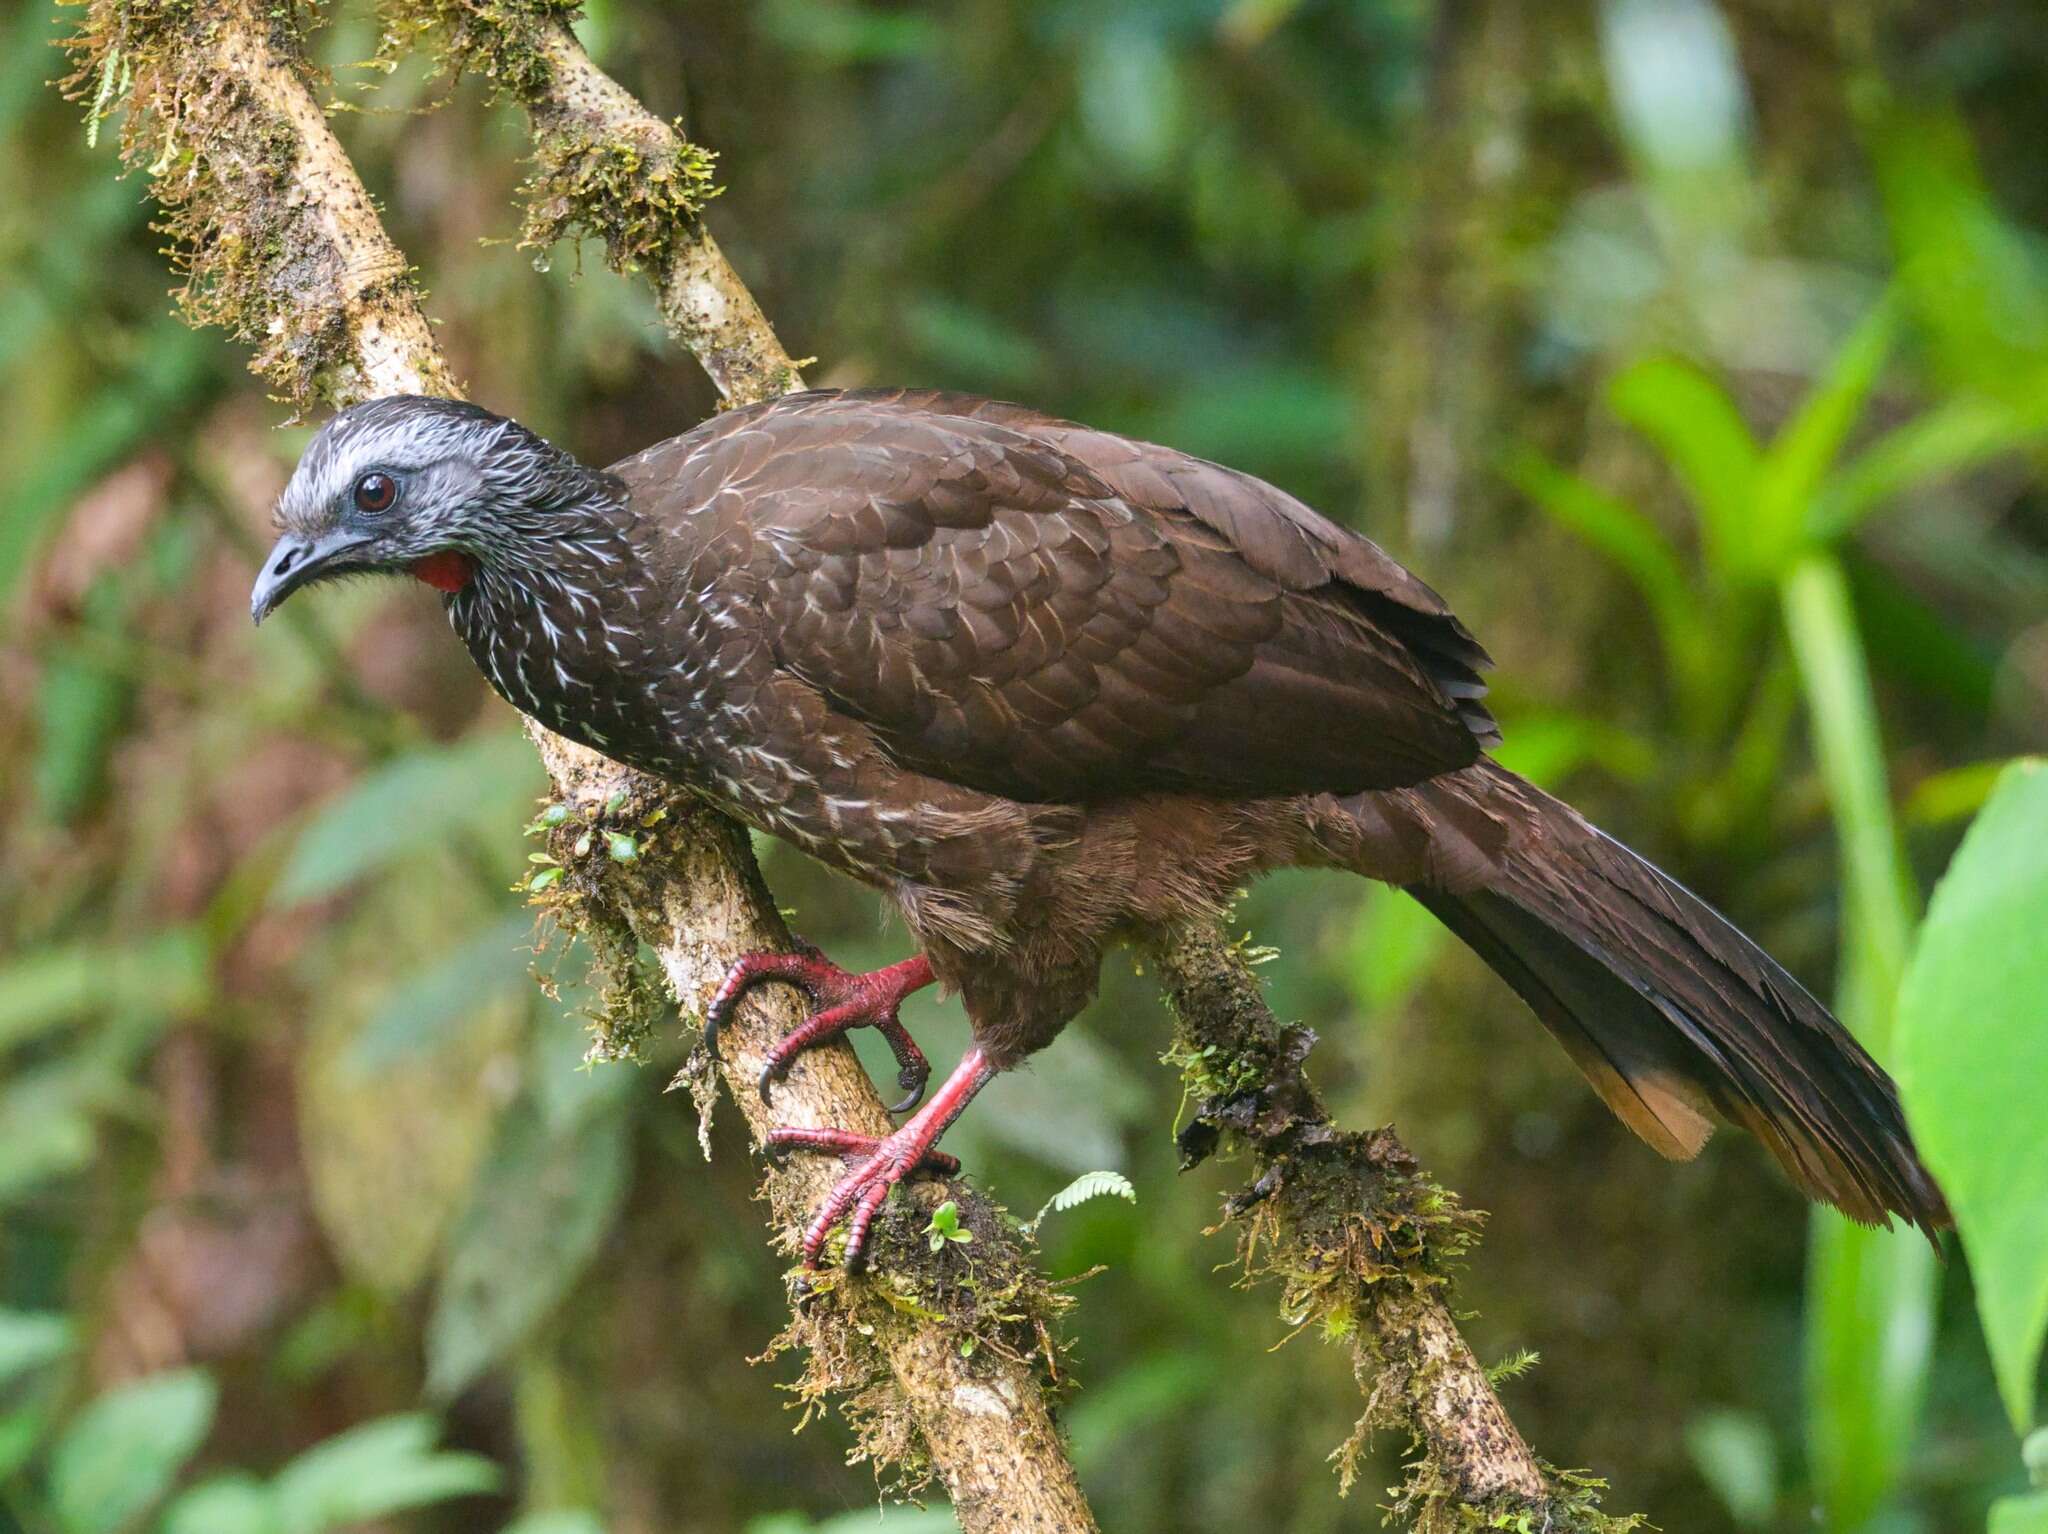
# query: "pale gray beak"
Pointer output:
{"type": "Point", "coordinates": [297, 562]}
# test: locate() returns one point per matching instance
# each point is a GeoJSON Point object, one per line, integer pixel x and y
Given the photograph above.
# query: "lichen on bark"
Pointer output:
{"type": "Point", "coordinates": [272, 249]}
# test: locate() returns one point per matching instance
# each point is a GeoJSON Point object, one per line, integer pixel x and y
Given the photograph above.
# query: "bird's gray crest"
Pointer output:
{"type": "Point", "coordinates": [408, 436]}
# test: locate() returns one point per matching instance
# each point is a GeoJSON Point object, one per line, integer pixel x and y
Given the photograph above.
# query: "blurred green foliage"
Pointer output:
{"type": "Point", "coordinates": [1699, 351]}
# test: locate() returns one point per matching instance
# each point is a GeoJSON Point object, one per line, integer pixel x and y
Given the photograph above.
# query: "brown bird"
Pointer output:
{"type": "Point", "coordinates": [1049, 688]}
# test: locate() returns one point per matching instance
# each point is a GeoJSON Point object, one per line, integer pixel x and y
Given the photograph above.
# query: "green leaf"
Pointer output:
{"type": "Point", "coordinates": [843, 33]}
{"type": "Point", "coordinates": [172, 362]}
{"type": "Point", "coordinates": [1954, 436]}
{"type": "Point", "coordinates": [1870, 1293]}
{"type": "Point", "coordinates": [78, 706]}
{"type": "Point", "coordinates": [1800, 456]}
{"type": "Point", "coordinates": [123, 1450]}
{"type": "Point", "coordinates": [421, 1009]}
{"type": "Point", "coordinates": [372, 1471]}
{"type": "Point", "coordinates": [20, 1431]}
{"type": "Point", "coordinates": [542, 1203]}
{"type": "Point", "coordinates": [1973, 1067]}
{"type": "Point", "coordinates": [226, 1504]}
{"type": "Point", "coordinates": [1088, 1185]}
{"type": "Point", "coordinates": [1821, 625]}
{"type": "Point", "coordinates": [556, 1521]}
{"type": "Point", "coordinates": [164, 974]}
{"type": "Point", "coordinates": [30, 1339]}
{"type": "Point", "coordinates": [1632, 541]}
{"type": "Point", "coordinates": [2020, 1515]}
{"type": "Point", "coordinates": [1708, 446]}
{"type": "Point", "coordinates": [1736, 1456]}
{"type": "Point", "coordinates": [1390, 947]}
{"type": "Point", "coordinates": [944, 1226]}
{"type": "Point", "coordinates": [418, 799]}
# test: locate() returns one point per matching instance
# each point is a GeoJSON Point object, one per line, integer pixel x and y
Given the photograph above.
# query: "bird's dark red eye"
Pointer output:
{"type": "Point", "coordinates": [376, 492]}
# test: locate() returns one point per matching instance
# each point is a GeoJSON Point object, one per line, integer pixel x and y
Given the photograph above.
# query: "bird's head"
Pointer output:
{"type": "Point", "coordinates": [415, 485]}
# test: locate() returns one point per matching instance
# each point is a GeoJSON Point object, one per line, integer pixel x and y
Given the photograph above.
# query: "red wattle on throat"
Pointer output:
{"type": "Point", "coordinates": [448, 570]}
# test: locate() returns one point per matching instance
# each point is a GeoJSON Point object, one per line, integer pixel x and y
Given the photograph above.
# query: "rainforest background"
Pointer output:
{"type": "Point", "coordinates": [1698, 351]}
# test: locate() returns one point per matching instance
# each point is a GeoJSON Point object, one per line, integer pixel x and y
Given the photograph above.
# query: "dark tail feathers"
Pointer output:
{"type": "Point", "coordinates": [1670, 1011]}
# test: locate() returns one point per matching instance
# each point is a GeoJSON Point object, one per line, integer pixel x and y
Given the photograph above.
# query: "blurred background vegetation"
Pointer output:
{"type": "Point", "coordinates": [1699, 350]}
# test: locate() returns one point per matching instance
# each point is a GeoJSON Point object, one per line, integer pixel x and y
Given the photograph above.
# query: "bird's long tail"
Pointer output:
{"type": "Point", "coordinates": [1668, 1009]}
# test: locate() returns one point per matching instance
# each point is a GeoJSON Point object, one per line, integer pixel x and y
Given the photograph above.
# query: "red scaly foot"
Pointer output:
{"type": "Point", "coordinates": [841, 1001]}
{"type": "Point", "coordinates": [861, 1193]}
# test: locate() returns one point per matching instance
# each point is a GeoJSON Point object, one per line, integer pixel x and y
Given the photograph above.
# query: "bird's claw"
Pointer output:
{"type": "Point", "coordinates": [858, 1196]}
{"type": "Point", "coordinates": [841, 1001]}
{"type": "Point", "coordinates": [912, 1078]}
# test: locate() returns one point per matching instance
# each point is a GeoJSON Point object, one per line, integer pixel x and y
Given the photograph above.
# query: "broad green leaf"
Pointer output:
{"type": "Point", "coordinates": [421, 1008]}
{"type": "Point", "coordinates": [2020, 1515]}
{"type": "Point", "coordinates": [79, 703]}
{"type": "Point", "coordinates": [227, 1504]}
{"type": "Point", "coordinates": [166, 974]}
{"type": "Point", "coordinates": [1263, 418]}
{"type": "Point", "coordinates": [840, 34]}
{"type": "Point", "coordinates": [393, 1152]}
{"type": "Point", "coordinates": [1870, 1293]}
{"type": "Point", "coordinates": [41, 1136]}
{"type": "Point", "coordinates": [123, 1450]}
{"type": "Point", "coordinates": [1708, 446]}
{"type": "Point", "coordinates": [541, 1205]}
{"type": "Point", "coordinates": [974, 343]}
{"type": "Point", "coordinates": [1973, 1067]}
{"type": "Point", "coordinates": [419, 799]}
{"type": "Point", "coordinates": [21, 1429]}
{"type": "Point", "coordinates": [1955, 794]}
{"type": "Point", "coordinates": [173, 359]}
{"type": "Point", "coordinates": [372, 1471]}
{"type": "Point", "coordinates": [31, 1338]}
{"type": "Point", "coordinates": [1980, 292]}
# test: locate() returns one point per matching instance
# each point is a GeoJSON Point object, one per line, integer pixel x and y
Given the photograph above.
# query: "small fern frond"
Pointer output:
{"type": "Point", "coordinates": [1088, 1185]}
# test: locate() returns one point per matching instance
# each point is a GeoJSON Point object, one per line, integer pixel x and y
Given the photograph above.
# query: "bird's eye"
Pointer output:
{"type": "Point", "coordinates": [375, 492]}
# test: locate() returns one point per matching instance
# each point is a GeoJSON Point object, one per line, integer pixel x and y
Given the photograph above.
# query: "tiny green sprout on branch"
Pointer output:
{"type": "Point", "coordinates": [1514, 1366]}
{"type": "Point", "coordinates": [945, 1227]}
{"type": "Point", "coordinates": [1088, 1185]}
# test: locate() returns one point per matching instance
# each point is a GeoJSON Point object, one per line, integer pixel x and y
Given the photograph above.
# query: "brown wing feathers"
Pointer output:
{"type": "Point", "coordinates": [1001, 599]}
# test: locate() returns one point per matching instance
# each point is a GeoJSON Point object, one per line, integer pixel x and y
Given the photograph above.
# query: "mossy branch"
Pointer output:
{"type": "Point", "coordinates": [943, 1361]}
{"type": "Point", "coordinates": [1363, 1244]}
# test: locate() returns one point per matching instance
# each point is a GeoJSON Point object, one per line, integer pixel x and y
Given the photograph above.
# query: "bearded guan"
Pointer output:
{"type": "Point", "coordinates": [1049, 688]}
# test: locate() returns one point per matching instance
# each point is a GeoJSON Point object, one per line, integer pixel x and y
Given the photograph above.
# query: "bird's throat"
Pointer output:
{"type": "Point", "coordinates": [449, 570]}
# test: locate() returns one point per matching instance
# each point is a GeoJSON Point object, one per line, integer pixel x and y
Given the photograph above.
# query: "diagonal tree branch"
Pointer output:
{"type": "Point", "coordinates": [283, 246]}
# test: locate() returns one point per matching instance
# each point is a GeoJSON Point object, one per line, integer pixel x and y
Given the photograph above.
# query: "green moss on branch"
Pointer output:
{"type": "Point", "coordinates": [274, 236]}
{"type": "Point", "coordinates": [1363, 1245]}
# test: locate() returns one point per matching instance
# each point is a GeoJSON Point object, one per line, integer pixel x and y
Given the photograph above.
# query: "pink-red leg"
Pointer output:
{"type": "Point", "coordinates": [842, 1001]}
{"type": "Point", "coordinates": [861, 1193]}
